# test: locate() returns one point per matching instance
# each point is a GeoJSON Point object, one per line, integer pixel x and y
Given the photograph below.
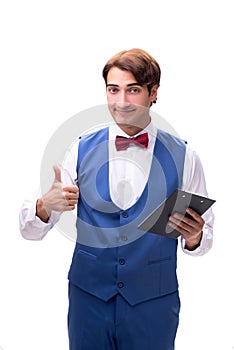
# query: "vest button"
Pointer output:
{"type": "Point", "coordinates": [125, 214]}
{"type": "Point", "coordinates": [124, 238]}
{"type": "Point", "coordinates": [120, 284]}
{"type": "Point", "coordinates": [121, 261]}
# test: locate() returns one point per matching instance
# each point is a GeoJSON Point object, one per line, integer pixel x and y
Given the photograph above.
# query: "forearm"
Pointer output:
{"type": "Point", "coordinates": [31, 226]}
{"type": "Point", "coordinates": [204, 245]}
{"type": "Point", "coordinates": [194, 182]}
{"type": "Point", "coordinates": [191, 246]}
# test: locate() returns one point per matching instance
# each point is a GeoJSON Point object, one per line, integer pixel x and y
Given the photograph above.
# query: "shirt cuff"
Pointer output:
{"type": "Point", "coordinates": [205, 244]}
{"type": "Point", "coordinates": [31, 226]}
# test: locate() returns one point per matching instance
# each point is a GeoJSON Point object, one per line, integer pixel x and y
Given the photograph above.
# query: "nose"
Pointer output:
{"type": "Point", "coordinates": [123, 99]}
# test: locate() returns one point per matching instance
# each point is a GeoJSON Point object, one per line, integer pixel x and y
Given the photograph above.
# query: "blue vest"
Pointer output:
{"type": "Point", "coordinates": [111, 255]}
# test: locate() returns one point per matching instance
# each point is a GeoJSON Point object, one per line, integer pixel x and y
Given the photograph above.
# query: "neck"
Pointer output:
{"type": "Point", "coordinates": [132, 130]}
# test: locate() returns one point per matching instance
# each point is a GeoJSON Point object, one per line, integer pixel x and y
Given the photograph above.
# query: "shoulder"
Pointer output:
{"type": "Point", "coordinates": [167, 137]}
{"type": "Point", "coordinates": [175, 145]}
{"type": "Point", "coordinates": [192, 159]}
{"type": "Point", "coordinates": [94, 135]}
{"type": "Point", "coordinates": [82, 141]}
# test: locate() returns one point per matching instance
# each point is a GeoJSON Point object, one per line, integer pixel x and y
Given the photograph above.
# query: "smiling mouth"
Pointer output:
{"type": "Point", "coordinates": [124, 111]}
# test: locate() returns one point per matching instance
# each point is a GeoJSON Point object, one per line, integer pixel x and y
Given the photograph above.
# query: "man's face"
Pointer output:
{"type": "Point", "coordinates": [128, 100]}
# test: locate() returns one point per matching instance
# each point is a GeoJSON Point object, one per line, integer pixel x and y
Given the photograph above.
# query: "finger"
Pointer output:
{"type": "Point", "coordinates": [195, 215]}
{"type": "Point", "coordinates": [194, 219]}
{"type": "Point", "coordinates": [70, 195]}
{"type": "Point", "coordinates": [178, 223]}
{"type": "Point", "coordinates": [71, 198]}
{"type": "Point", "coordinates": [67, 204]}
{"type": "Point", "coordinates": [190, 229]}
{"type": "Point", "coordinates": [178, 218]}
{"type": "Point", "coordinates": [57, 174]}
{"type": "Point", "coordinates": [72, 202]}
{"type": "Point", "coordinates": [71, 188]}
{"type": "Point", "coordinates": [68, 208]}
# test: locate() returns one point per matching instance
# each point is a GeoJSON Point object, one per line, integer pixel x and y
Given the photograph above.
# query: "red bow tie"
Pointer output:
{"type": "Point", "coordinates": [123, 143]}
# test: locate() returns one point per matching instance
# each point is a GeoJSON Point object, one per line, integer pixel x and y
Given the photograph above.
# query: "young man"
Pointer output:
{"type": "Point", "coordinates": [123, 288]}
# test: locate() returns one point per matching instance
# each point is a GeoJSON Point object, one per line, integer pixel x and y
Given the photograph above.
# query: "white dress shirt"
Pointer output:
{"type": "Point", "coordinates": [128, 175]}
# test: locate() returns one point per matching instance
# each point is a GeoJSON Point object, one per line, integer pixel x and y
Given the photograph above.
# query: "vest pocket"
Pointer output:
{"type": "Point", "coordinates": [83, 265]}
{"type": "Point", "coordinates": [84, 253]}
{"type": "Point", "coordinates": [160, 260]}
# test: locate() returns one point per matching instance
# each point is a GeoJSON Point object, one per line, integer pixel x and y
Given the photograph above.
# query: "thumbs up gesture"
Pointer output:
{"type": "Point", "coordinates": [60, 197]}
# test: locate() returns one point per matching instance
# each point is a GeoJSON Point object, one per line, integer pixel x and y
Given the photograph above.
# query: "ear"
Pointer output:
{"type": "Point", "coordinates": [154, 92]}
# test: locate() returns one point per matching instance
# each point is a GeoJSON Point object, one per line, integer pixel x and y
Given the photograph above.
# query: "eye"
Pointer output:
{"type": "Point", "coordinates": [134, 90]}
{"type": "Point", "coordinates": [112, 90]}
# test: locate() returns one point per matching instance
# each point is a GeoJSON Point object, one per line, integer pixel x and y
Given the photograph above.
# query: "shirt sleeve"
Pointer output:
{"type": "Point", "coordinates": [194, 181]}
{"type": "Point", "coordinates": [30, 225]}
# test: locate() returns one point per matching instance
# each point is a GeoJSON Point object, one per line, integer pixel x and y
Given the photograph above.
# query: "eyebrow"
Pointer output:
{"type": "Point", "coordinates": [128, 85]}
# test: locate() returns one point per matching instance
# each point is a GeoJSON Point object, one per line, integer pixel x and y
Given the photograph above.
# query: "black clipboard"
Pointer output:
{"type": "Point", "coordinates": [178, 202]}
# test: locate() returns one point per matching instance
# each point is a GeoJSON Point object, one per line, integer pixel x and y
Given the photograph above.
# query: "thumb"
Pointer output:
{"type": "Point", "coordinates": [57, 174]}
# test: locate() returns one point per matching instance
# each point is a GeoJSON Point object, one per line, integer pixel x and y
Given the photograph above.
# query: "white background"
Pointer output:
{"type": "Point", "coordinates": [52, 55]}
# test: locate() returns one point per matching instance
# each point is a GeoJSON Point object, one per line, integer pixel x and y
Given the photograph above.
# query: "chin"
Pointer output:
{"type": "Point", "coordinates": [129, 129]}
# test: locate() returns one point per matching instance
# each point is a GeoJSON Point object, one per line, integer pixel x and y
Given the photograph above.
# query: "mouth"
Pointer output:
{"type": "Point", "coordinates": [124, 111]}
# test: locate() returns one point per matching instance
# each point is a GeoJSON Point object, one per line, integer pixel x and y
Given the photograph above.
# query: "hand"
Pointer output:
{"type": "Point", "coordinates": [59, 198]}
{"type": "Point", "coordinates": [190, 229]}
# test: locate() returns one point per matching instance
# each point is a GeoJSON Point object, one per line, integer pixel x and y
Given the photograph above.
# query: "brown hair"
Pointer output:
{"type": "Point", "coordinates": [144, 67]}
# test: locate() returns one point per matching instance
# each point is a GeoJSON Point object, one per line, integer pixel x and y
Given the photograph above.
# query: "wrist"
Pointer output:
{"type": "Point", "coordinates": [192, 245]}
{"type": "Point", "coordinates": [41, 211]}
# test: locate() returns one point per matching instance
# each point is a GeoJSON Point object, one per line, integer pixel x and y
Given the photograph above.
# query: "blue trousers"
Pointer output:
{"type": "Point", "coordinates": [115, 325]}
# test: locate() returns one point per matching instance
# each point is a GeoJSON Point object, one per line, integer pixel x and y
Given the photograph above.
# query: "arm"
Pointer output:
{"type": "Point", "coordinates": [31, 226]}
{"type": "Point", "coordinates": [197, 234]}
{"type": "Point", "coordinates": [41, 213]}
